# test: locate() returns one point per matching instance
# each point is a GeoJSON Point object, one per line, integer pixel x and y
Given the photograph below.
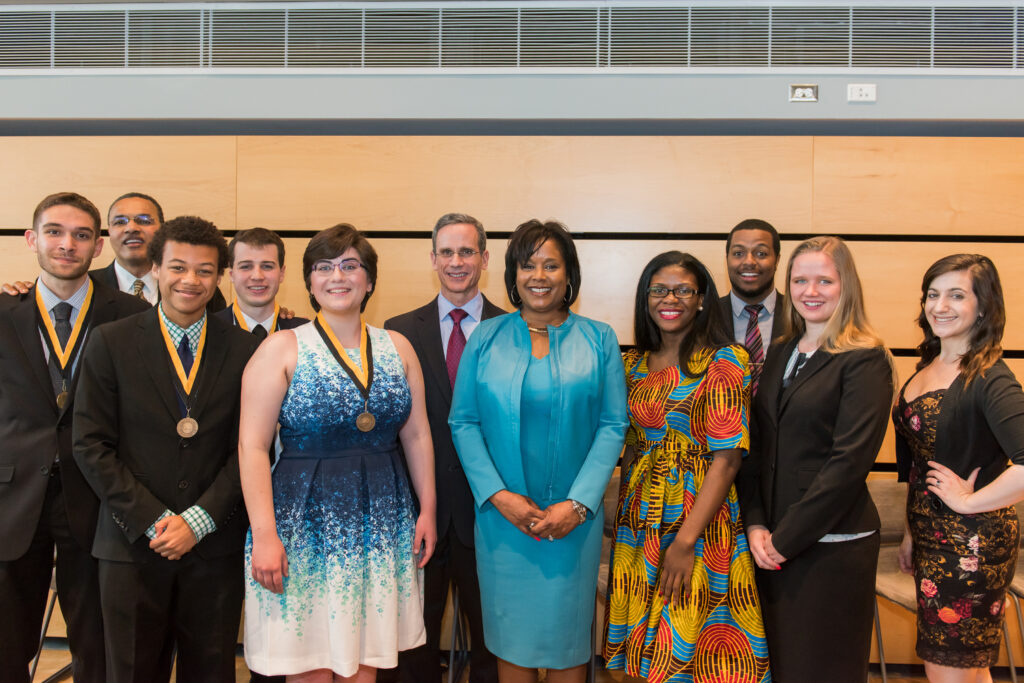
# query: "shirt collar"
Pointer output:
{"type": "Point", "coordinates": [193, 331]}
{"type": "Point", "coordinates": [738, 304]}
{"type": "Point", "coordinates": [251, 322]}
{"type": "Point", "coordinates": [125, 279]}
{"type": "Point", "coordinates": [77, 300]}
{"type": "Point", "coordinates": [474, 307]}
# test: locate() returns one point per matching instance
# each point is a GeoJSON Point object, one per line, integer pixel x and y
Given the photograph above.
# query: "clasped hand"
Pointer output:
{"type": "Point", "coordinates": [554, 522]}
{"type": "Point", "coordinates": [174, 538]}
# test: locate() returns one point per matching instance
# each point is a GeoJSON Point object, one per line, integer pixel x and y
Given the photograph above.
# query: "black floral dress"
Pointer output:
{"type": "Point", "coordinates": [962, 563]}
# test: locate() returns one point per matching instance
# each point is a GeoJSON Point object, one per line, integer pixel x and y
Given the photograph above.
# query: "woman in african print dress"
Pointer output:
{"type": "Point", "coordinates": [961, 415]}
{"type": "Point", "coordinates": [681, 595]}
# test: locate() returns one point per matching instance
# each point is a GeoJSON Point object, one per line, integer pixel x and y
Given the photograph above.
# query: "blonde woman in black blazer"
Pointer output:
{"type": "Point", "coordinates": [819, 418]}
{"type": "Point", "coordinates": [961, 415]}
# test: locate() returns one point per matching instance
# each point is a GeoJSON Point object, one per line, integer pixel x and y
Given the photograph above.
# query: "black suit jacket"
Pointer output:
{"type": "Point", "coordinates": [777, 330]}
{"type": "Point", "coordinates": [108, 276]}
{"type": "Point", "coordinates": [813, 444]}
{"type": "Point", "coordinates": [125, 440]}
{"type": "Point", "coordinates": [33, 430]}
{"type": "Point", "coordinates": [422, 328]}
{"type": "Point", "coordinates": [980, 425]}
{"type": "Point", "coordinates": [228, 316]}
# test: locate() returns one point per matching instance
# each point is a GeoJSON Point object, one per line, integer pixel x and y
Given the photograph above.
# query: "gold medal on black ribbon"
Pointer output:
{"type": "Point", "coordinates": [240, 319]}
{"type": "Point", "coordinates": [63, 356]}
{"type": "Point", "coordinates": [362, 377]}
{"type": "Point", "coordinates": [187, 426]}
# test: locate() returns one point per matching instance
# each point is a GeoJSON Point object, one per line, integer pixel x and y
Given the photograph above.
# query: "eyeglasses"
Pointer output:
{"type": "Point", "coordinates": [143, 219]}
{"type": "Point", "coordinates": [682, 293]}
{"type": "Point", "coordinates": [464, 253]}
{"type": "Point", "coordinates": [348, 266]}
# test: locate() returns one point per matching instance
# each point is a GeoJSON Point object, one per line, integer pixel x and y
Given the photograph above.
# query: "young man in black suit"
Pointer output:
{"type": "Point", "coordinates": [438, 332]}
{"type": "Point", "coordinates": [44, 501]}
{"type": "Point", "coordinates": [132, 220]}
{"type": "Point", "coordinates": [156, 436]}
{"type": "Point", "coordinates": [752, 257]}
{"type": "Point", "coordinates": [256, 268]}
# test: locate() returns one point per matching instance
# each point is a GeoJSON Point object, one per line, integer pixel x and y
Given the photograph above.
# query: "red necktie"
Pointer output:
{"type": "Point", "coordinates": [456, 343]}
{"type": "Point", "coordinates": [755, 347]}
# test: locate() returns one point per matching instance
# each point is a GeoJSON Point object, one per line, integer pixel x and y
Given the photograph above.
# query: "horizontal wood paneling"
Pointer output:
{"type": "Point", "coordinates": [628, 184]}
{"type": "Point", "coordinates": [925, 186]}
{"type": "Point", "coordinates": [193, 175]}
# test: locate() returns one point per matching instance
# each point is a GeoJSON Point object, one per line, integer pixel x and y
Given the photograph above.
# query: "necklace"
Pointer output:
{"type": "Point", "coordinates": [538, 330]}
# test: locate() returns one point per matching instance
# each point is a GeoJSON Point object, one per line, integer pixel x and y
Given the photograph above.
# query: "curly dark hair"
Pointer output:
{"type": "Point", "coordinates": [189, 230]}
{"type": "Point", "coordinates": [987, 333]}
{"type": "Point", "coordinates": [710, 327]}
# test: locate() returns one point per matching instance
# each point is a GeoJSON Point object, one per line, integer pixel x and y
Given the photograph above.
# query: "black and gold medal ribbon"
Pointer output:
{"type": "Point", "coordinates": [240, 319]}
{"type": "Point", "coordinates": [64, 356]}
{"type": "Point", "coordinates": [362, 377]}
{"type": "Point", "coordinates": [184, 383]}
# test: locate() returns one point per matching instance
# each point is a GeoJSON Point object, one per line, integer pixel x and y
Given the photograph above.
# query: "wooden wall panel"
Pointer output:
{"type": "Point", "coordinates": [193, 175]}
{"type": "Point", "coordinates": [955, 186]}
{"type": "Point", "coordinates": [627, 184]}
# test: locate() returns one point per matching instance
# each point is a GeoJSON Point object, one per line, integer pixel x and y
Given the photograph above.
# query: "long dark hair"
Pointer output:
{"type": "Point", "coordinates": [709, 329]}
{"type": "Point", "coordinates": [985, 345]}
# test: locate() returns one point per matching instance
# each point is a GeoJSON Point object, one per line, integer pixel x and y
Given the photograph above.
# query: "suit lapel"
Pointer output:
{"type": "Point", "coordinates": [770, 385]}
{"type": "Point", "coordinates": [211, 365]}
{"type": "Point", "coordinates": [815, 363]}
{"type": "Point", "coordinates": [23, 317]}
{"type": "Point", "coordinates": [150, 343]}
{"type": "Point", "coordinates": [430, 330]}
{"type": "Point", "coordinates": [780, 303]}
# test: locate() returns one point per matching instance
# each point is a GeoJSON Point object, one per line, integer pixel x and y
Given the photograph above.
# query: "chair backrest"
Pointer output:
{"type": "Point", "coordinates": [890, 498]}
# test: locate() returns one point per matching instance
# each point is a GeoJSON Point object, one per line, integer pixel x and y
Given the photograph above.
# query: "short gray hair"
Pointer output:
{"type": "Point", "coordinates": [455, 218]}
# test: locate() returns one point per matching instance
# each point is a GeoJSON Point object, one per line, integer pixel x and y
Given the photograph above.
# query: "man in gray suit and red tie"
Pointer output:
{"type": "Point", "coordinates": [751, 257]}
{"type": "Point", "coordinates": [438, 332]}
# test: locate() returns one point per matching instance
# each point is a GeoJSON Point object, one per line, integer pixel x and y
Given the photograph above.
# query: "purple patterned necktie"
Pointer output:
{"type": "Point", "coordinates": [755, 347]}
{"type": "Point", "coordinates": [456, 343]}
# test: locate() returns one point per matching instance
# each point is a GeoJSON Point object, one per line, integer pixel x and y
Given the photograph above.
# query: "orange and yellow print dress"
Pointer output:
{"type": "Point", "coordinates": [675, 423]}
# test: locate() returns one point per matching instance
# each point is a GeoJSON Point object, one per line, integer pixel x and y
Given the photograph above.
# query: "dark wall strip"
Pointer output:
{"type": "Point", "coordinates": [645, 236]}
{"type": "Point", "coordinates": [839, 127]}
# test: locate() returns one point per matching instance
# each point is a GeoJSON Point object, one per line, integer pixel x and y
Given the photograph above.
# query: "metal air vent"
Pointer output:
{"type": "Point", "coordinates": [505, 35]}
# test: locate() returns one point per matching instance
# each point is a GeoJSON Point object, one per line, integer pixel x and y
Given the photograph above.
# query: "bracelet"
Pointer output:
{"type": "Point", "coordinates": [580, 509]}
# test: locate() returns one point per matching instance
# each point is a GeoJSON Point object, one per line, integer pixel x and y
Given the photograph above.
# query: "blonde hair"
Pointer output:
{"type": "Point", "coordinates": [848, 327]}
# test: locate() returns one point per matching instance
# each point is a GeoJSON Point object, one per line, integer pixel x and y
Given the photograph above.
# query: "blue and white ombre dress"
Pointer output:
{"type": "Point", "coordinates": [353, 594]}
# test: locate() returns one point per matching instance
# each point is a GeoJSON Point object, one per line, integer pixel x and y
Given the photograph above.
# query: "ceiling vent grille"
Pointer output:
{"type": "Point", "coordinates": [599, 35]}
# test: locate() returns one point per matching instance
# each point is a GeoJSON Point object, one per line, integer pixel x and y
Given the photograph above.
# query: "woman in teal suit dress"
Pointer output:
{"type": "Point", "coordinates": [538, 418]}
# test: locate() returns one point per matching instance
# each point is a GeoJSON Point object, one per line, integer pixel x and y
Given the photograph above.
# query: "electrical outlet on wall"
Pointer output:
{"type": "Point", "coordinates": [861, 92]}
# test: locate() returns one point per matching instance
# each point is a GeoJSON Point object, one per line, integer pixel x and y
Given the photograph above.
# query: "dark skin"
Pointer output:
{"type": "Point", "coordinates": [674, 318]}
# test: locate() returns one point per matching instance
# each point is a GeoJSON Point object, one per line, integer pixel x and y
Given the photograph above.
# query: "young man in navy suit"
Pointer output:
{"type": "Point", "coordinates": [44, 501]}
{"type": "Point", "coordinates": [156, 436]}
{"type": "Point", "coordinates": [438, 332]}
{"type": "Point", "coordinates": [256, 268]}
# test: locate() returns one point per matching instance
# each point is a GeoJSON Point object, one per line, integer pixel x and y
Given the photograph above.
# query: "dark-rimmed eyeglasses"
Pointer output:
{"type": "Point", "coordinates": [682, 293]}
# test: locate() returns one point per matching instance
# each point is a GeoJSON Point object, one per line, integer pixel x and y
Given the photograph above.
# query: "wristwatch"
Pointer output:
{"type": "Point", "coordinates": [580, 509]}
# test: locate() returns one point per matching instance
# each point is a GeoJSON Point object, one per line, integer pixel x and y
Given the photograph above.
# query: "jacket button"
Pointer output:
{"type": "Point", "coordinates": [182, 484]}
{"type": "Point", "coordinates": [44, 470]}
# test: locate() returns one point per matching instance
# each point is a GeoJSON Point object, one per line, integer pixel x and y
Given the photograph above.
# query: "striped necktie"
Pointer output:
{"type": "Point", "coordinates": [755, 347]}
